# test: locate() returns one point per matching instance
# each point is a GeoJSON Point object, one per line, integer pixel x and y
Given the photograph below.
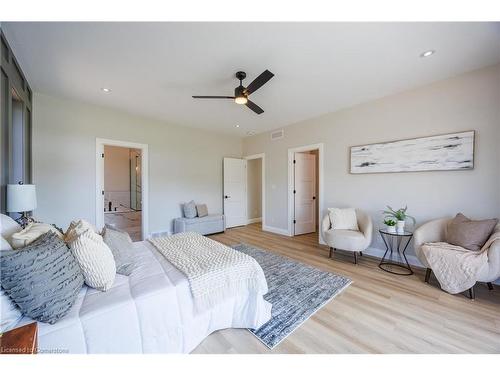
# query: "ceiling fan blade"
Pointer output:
{"type": "Point", "coordinates": [254, 107]}
{"type": "Point", "coordinates": [212, 97]}
{"type": "Point", "coordinates": [258, 82]}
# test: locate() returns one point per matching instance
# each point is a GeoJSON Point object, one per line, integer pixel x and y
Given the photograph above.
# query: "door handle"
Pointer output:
{"type": "Point", "coordinates": [227, 196]}
{"type": "Point", "coordinates": [314, 198]}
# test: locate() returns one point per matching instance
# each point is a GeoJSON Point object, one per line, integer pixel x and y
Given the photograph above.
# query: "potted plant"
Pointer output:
{"type": "Point", "coordinates": [391, 225]}
{"type": "Point", "coordinates": [400, 215]}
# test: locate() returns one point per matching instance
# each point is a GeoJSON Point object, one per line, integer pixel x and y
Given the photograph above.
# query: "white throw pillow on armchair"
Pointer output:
{"type": "Point", "coordinates": [343, 218]}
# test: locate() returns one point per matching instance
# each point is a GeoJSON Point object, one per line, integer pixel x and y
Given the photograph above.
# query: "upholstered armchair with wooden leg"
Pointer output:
{"type": "Point", "coordinates": [435, 231]}
{"type": "Point", "coordinates": [349, 240]}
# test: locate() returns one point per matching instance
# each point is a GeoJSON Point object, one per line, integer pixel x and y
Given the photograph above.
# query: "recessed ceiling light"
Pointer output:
{"type": "Point", "coordinates": [237, 126]}
{"type": "Point", "coordinates": [427, 53]}
{"type": "Point", "coordinates": [105, 89]}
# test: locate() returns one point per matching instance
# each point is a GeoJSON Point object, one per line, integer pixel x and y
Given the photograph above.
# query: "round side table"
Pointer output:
{"type": "Point", "coordinates": [394, 259]}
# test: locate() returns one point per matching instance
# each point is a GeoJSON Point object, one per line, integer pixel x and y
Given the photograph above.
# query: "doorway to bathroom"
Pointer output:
{"type": "Point", "coordinates": [122, 187]}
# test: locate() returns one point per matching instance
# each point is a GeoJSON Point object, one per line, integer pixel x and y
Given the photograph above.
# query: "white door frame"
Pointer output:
{"type": "Point", "coordinates": [261, 156]}
{"type": "Point", "coordinates": [291, 152]}
{"type": "Point", "coordinates": [99, 178]}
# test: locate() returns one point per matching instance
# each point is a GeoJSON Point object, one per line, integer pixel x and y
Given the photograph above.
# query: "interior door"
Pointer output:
{"type": "Point", "coordinates": [304, 193]}
{"type": "Point", "coordinates": [235, 190]}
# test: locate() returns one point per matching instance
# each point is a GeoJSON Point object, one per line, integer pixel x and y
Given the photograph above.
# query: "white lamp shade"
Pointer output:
{"type": "Point", "coordinates": [21, 198]}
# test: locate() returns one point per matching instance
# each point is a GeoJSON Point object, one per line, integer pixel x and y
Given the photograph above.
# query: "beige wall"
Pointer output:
{"type": "Point", "coordinates": [254, 188]}
{"type": "Point", "coordinates": [470, 101]}
{"type": "Point", "coordinates": [116, 168]}
{"type": "Point", "coordinates": [184, 163]}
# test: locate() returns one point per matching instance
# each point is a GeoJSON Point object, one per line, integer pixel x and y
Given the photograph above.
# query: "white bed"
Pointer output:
{"type": "Point", "coordinates": [150, 311]}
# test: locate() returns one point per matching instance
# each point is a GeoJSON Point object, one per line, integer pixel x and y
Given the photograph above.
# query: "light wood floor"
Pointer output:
{"type": "Point", "coordinates": [378, 313]}
{"type": "Point", "coordinates": [127, 221]}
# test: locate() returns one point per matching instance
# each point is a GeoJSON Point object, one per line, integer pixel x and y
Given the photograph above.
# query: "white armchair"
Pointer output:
{"type": "Point", "coordinates": [349, 240]}
{"type": "Point", "coordinates": [435, 231]}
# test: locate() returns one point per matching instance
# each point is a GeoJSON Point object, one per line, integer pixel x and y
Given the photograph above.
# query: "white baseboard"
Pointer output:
{"type": "Point", "coordinates": [283, 232]}
{"type": "Point", "coordinates": [255, 220]}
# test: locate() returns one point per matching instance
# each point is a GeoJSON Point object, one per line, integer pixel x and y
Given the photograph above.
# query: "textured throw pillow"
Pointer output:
{"type": "Point", "coordinates": [43, 279]}
{"type": "Point", "coordinates": [31, 233]}
{"type": "Point", "coordinates": [121, 246]}
{"type": "Point", "coordinates": [190, 210]}
{"type": "Point", "coordinates": [343, 218]}
{"type": "Point", "coordinates": [10, 315]}
{"type": "Point", "coordinates": [201, 210]}
{"type": "Point", "coordinates": [93, 256]}
{"type": "Point", "coordinates": [469, 234]}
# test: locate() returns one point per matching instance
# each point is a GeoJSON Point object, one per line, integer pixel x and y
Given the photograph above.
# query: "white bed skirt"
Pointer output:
{"type": "Point", "coordinates": [150, 311]}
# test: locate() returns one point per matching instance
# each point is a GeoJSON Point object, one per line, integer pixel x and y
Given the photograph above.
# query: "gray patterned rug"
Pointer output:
{"type": "Point", "coordinates": [296, 292]}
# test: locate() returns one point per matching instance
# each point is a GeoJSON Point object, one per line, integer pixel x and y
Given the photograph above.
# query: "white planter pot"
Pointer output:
{"type": "Point", "coordinates": [391, 228]}
{"type": "Point", "coordinates": [400, 226]}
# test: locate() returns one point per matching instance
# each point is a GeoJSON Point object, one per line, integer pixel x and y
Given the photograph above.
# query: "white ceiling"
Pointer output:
{"type": "Point", "coordinates": [154, 68]}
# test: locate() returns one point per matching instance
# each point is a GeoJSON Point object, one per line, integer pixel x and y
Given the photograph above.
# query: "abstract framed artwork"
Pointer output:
{"type": "Point", "coordinates": [446, 152]}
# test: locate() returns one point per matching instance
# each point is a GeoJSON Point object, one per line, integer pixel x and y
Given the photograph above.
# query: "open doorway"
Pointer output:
{"type": "Point", "coordinates": [254, 191]}
{"type": "Point", "coordinates": [121, 190]}
{"type": "Point", "coordinates": [305, 189]}
{"type": "Point", "coordinates": [244, 190]}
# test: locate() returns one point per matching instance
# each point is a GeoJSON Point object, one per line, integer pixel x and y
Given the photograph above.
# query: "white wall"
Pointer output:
{"type": "Point", "coordinates": [254, 188]}
{"type": "Point", "coordinates": [184, 163]}
{"type": "Point", "coordinates": [470, 101]}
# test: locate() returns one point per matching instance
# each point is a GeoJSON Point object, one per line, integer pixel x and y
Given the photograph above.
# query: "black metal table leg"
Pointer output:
{"type": "Point", "coordinates": [387, 263]}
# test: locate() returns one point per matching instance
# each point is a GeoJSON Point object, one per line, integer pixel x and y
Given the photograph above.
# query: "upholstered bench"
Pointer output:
{"type": "Point", "coordinates": [204, 225]}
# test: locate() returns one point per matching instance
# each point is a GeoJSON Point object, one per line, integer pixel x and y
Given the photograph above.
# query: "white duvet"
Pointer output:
{"type": "Point", "coordinates": [150, 311]}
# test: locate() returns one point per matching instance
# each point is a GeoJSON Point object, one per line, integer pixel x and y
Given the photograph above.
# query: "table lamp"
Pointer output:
{"type": "Point", "coordinates": [21, 198]}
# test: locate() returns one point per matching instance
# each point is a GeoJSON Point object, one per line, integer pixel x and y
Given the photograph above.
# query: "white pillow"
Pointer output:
{"type": "Point", "coordinates": [31, 233]}
{"type": "Point", "coordinates": [343, 218]}
{"type": "Point", "coordinates": [10, 315]}
{"type": "Point", "coordinates": [8, 226]}
{"type": "Point", "coordinates": [93, 256]}
{"type": "Point", "coordinates": [4, 244]}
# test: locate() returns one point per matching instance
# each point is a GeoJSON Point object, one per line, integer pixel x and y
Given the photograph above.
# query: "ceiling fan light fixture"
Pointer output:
{"type": "Point", "coordinates": [241, 93]}
{"type": "Point", "coordinates": [241, 100]}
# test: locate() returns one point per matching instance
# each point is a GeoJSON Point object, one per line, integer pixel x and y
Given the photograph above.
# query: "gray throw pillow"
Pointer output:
{"type": "Point", "coordinates": [469, 234]}
{"type": "Point", "coordinates": [43, 278]}
{"type": "Point", "coordinates": [202, 210]}
{"type": "Point", "coordinates": [189, 210]}
{"type": "Point", "coordinates": [120, 244]}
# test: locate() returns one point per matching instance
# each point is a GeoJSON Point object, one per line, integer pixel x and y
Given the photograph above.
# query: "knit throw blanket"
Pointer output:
{"type": "Point", "coordinates": [215, 271]}
{"type": "Point", "coordinates": [456, 268]}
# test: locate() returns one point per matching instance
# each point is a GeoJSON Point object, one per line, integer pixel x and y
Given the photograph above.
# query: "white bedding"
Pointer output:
{"type": "Point", "coordinates": [150, 311]}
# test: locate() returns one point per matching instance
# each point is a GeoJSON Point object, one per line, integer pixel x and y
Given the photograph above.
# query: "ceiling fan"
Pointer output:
{"type": "Point", "coordinates": [241, 93]}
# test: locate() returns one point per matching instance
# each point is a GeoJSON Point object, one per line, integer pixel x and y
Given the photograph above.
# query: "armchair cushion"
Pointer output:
{"type": "Point", "coordinates": [346, 239]}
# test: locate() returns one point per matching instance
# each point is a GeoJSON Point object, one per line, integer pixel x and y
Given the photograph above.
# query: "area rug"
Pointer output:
{"type": "Point", "coordinates": [296, 292]}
